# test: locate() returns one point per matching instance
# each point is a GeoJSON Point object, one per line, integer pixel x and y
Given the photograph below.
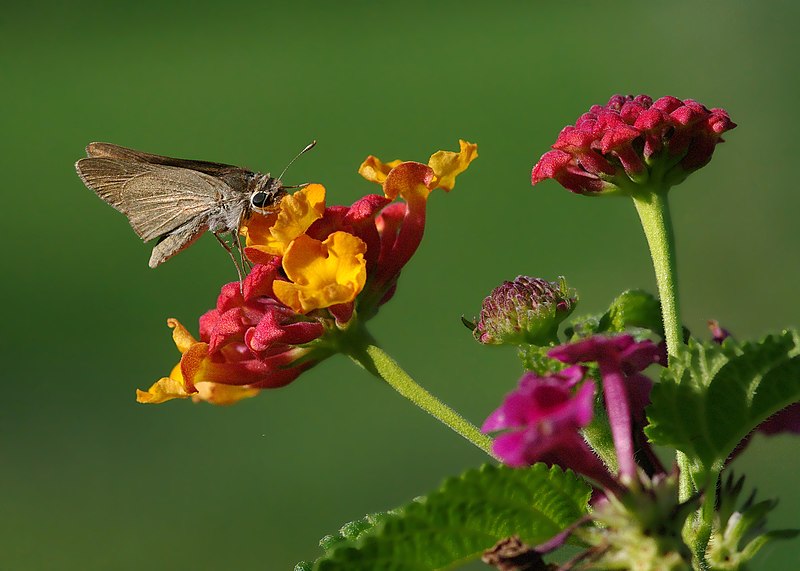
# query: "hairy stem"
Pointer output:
{"type": "Point", "coordinates": [705, 525]}
{"type": "Point", "coordinates": [373, 359]}
{"type": "Point", "coordinates": [653, 210]}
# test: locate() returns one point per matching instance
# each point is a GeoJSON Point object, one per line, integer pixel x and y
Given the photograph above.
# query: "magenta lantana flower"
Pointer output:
{"type": "Point", "coordinates": [632, 141]}
{"type": "Point", "coordinates": [540, 421]}
{"type": "Point", "coordinates": [627, 392]}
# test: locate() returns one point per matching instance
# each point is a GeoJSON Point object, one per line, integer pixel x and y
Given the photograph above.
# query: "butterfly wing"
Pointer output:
{"type": "Point", "coordinates": [111, 151]}
{"type": "Point", "coordinates": [156, 199]}
{"type": "Point", "coordinates": [176, 241]}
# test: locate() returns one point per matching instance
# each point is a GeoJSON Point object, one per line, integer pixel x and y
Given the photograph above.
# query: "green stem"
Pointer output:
{"type": "Point", "coordinates": [705, 525]}
{"type": "Point", "coordinates": [373, 359]}
{"type": "Point", "coordinates": [653, 209]}
{"type": "Point", "coordinates": [685, 484]}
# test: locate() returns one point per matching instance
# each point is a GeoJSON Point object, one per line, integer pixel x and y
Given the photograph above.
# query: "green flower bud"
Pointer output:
{"type": "Point", "coordinates": [641, 529]}
{"type": "Point", "coordinates": [739, 528]}
{"type": "Point", "coordinates": [524, 311]}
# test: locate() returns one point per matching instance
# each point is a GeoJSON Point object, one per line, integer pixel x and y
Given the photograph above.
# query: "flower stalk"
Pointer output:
{"type": "Point", "coordinates": [373, 359]}
{"type": "Point", "coordinates": [641, 148]}
{"type": "Point", "coordinates": [702, 534]}
{"type": "Point", "coordinates": [654, 214]}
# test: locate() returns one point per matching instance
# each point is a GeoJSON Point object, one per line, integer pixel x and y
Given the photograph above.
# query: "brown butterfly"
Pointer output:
{"type": "Point", "coordinates": [177, 200]}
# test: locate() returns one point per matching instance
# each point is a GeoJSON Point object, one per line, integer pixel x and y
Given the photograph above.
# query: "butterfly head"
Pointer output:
{"type": "Point", "coordinates": [266, 194]}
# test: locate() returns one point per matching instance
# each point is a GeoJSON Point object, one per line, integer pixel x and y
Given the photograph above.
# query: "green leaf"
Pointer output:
{"type": "Point", "coordinates": [712, 396]}
{"type": "Point", "coordinates": [460, 520]}
{"type": "Point", "coordinates": [632, 309]}
{"type": "Point", "coordinates": [583, 326]}
{"type": "Point", "coordinates": [598, 435]}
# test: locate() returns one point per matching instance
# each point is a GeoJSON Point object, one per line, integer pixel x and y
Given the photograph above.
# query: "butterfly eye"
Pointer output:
{"type": "Point", "coordinates": [260, 199]}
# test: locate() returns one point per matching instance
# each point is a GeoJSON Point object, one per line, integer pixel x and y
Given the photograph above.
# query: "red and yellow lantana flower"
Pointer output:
{"type": "Point", "coordinates": [318, 271]}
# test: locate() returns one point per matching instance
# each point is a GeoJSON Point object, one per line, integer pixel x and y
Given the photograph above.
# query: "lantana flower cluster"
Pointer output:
{"type": "Point", "coordinates": [633, 141]}
{"type": "Point", "coordinates": [543, 419]}
{"type": "Point", "coordinates": [320, 272]}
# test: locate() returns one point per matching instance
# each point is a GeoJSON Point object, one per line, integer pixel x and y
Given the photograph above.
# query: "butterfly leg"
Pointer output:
{"type": "Point", "coordinates": [246, 264]}
{"type": "Point", "coordinates": [233, 257]}
{"type": "Point", "coordinates": [237, 237]}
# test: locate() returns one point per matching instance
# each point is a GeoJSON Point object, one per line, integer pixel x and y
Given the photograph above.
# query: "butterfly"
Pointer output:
{"type": "Point", "coordinates": [176, 200]}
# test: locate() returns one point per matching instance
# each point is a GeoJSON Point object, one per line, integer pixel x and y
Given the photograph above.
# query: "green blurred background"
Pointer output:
{"type": "Point", "coordinates": [92, 481]}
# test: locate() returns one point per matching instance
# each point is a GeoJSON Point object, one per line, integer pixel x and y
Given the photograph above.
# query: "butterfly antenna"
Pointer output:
{"type": "Point", "coordinates": [308, 147]}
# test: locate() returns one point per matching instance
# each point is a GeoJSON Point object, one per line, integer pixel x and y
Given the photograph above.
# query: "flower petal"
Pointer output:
{"type": "Point", "coordinates": [279, 326]}
{"type": "Point", "coordinates": [164, 389]}
{"type": "Point", "coordinates": [217, 393]}
{"type": "Point", "coordinates": [232, 365]}
{"type": "Point", "coordinates": [180, 335]}
{"type": "Point", "coordinates": [176, 385]}
{"type": "Point", "coordinates": [411, 181]}
{"type": "Point", "coordinates": [322, 273]}
{"type": "Point", "coordinates": [374, 170]}
{"type": "Point", "coordinates": [274, 233]}
{"type": "Point", "coordinates": [448, 165]}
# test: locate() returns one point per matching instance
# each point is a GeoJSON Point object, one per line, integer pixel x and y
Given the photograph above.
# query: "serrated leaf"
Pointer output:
{"type": "Point", "coordinates": [355, 529]}
{"type": "Point", "coordinates": [712, 396]}
{"type": "Point", "coordinates": [461, 519]}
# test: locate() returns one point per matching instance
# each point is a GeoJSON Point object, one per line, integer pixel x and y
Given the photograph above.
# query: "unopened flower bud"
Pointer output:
{"type": "Point", "coordinates": [640, 529]}
{"type": "Point", "coordinates": [718, 333]}
{"type": "Point", "coordinates": [524, 311]}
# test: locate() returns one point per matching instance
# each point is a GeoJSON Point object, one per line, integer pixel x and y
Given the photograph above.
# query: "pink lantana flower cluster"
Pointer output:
{"type": "Point", "coordinates": [633, 141]}
{"type": "Point", "coordinates": [541, 421]}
